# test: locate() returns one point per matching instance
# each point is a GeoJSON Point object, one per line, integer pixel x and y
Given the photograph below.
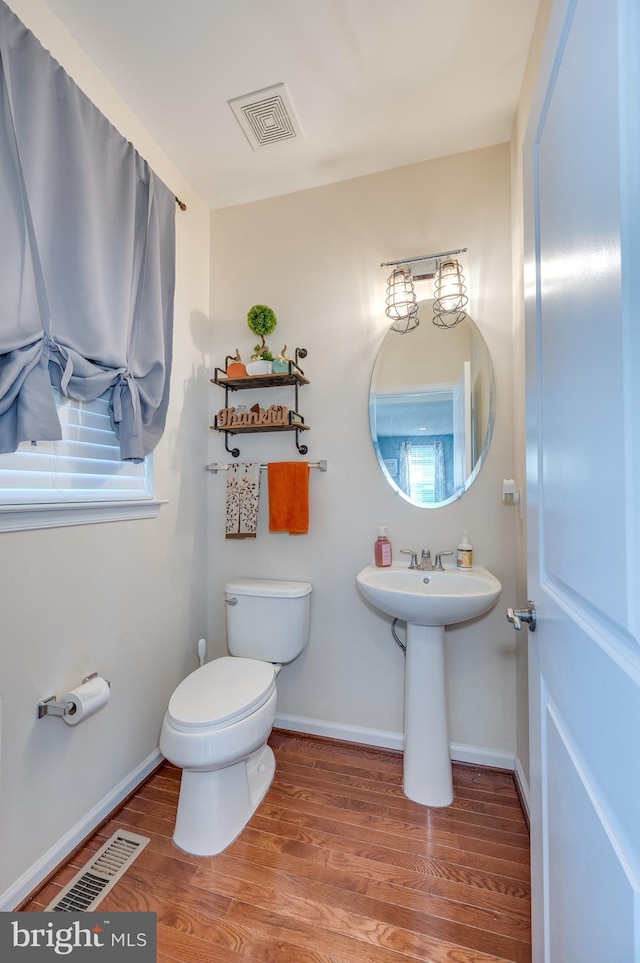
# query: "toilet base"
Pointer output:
{"type": "Point", "coordinates": [215, 806]}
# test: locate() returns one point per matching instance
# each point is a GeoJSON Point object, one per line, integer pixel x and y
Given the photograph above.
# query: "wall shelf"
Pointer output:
{"type": "Point", "coordinates": [260, 381]}
{"type": "Point", "coordinates": [294, 377]}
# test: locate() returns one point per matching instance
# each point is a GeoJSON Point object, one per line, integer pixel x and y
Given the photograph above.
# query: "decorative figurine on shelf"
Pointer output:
{"type": "Point", "coordinates": [235, 368]}
{"type": "Point", "coordinates": [280, 364]}
{"type": "Point", "coordinates": [262, 321]}
{"type": "Point", "coordinates": [230, 418]}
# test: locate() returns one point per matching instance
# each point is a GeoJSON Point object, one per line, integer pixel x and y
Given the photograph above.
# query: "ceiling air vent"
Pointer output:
{"type": "Point", "coordinates": [92, 883]}
{"type": "Point", "coordinates": [266, 116]}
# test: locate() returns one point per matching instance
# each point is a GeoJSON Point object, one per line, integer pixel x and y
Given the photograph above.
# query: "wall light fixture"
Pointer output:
{"type": "Point", "coordinates": [402, 305]}
{"type": "Point", "coordinates": [450, 293]}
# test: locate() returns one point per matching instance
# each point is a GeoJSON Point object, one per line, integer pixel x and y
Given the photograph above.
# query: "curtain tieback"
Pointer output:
{"type": "Point", "coordinates": [126, 380]}
{"type": "Point", "coordinates": [52, 347]}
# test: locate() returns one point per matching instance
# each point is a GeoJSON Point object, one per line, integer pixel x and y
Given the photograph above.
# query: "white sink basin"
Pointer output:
{"type": "Point", "coordinates": [429, 598]}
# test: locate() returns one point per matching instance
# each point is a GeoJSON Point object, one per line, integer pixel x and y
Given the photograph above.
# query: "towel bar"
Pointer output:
{"type": "Point", "coordinates": [215, 467]}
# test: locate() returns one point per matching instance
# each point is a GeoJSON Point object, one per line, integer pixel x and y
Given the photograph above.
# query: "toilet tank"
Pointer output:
{"type": "Point", "coordinates": [267, 619]}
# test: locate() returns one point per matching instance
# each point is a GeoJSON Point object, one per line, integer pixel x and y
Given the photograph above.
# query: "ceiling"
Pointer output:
{"type": "Point", "coordinates": [374, 84]}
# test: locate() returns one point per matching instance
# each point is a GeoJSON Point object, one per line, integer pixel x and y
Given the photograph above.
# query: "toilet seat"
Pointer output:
{"type": "Point", "coordinates": [220, 693]}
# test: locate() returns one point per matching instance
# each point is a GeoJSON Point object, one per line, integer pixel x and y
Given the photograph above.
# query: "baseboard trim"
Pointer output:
{"type": "Point", "coordinates": [36, 874]}
{"type": "Point", "coordinates": [522, 788]}
{"type": "Point", "coordinates": [481, 756]}
{"type": "Point", "coordinates": [334, 730]}
{"type": "Point", "coordinates": [476, 755]}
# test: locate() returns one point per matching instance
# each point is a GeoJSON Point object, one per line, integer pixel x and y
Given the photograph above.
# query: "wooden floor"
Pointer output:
{"type": "Point", "coordinates": [337, 866]}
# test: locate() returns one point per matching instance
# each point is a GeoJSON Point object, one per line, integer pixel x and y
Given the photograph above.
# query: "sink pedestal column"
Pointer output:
{"type": "Point", "coordinates": [427, 764]}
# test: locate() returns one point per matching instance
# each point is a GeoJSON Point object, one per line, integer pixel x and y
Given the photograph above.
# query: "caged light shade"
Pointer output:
{"type": "Point", "coordinates": [402, 305]}
{"type": "Point", "coordinates": [450, 295]}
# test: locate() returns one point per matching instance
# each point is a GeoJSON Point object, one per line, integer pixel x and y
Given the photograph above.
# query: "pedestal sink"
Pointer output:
{"type": "Point", "coordinates": [427, 601]}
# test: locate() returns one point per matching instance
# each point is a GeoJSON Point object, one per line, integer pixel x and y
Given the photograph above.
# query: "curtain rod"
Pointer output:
{"type": "Point", "coordinates": [181, 204]}
{"type": "Point", "coordinates": [321, 465]}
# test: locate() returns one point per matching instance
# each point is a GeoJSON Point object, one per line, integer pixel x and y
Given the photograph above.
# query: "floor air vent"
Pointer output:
{"type": "Point", "coordinates": [92, 883]}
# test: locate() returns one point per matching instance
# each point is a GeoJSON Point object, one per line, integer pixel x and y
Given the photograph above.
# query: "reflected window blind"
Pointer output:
{"type": "Point", "coordinates": [85, 466]}
{"type": "Point", "coordinates": [422, 473]}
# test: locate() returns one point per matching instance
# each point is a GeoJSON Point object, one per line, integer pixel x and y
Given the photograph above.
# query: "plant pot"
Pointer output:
{"type": "Point", "coordinates": [258, 367]}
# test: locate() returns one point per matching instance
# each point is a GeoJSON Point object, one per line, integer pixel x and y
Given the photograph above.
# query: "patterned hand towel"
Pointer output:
{"type": "Point", "coordinates": [243, 491]}
{"type": "Point", "coordinates": [289, 497]}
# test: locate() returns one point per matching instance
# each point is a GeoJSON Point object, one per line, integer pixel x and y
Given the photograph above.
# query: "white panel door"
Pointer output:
{"type": "Point", "coordinates": [582, 215]}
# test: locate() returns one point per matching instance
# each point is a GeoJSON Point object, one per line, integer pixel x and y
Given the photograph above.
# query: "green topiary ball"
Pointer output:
{"type": "Point", "coordinates": [262, 320]}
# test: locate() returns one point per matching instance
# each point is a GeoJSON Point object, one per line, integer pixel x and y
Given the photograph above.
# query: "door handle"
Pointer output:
{"type": "Point", "coordinates": [518, 616]}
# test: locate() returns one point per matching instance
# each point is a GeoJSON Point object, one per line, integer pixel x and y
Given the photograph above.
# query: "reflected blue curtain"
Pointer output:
{"type": "Point", "coordinates": [439, 476]}
{"type": "Point", "coordinates": [87, 258]}
{"type": "Point", "coordinates": [404, 476]}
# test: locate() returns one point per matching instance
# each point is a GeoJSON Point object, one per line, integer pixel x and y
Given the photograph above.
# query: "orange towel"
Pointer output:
{"type": "Point", "coordinates": [289, 497]}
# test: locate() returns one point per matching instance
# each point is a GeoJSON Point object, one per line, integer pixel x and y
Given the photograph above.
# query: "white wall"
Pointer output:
{"type": "Point", "coordinates": [315, 257]}
{"type": "Point", "coordinates": [125, 599]}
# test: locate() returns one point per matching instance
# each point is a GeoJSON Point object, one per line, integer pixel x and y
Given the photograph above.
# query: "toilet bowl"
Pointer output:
{"type": "Point", "coordinates": [220, 717]}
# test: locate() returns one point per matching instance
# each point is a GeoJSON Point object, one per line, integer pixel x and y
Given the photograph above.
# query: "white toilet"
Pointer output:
{"type": "Point", "coordinates": [220, 717]}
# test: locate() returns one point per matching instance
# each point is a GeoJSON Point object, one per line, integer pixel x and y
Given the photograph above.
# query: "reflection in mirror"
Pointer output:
{"type": "Point", "coordinates": [431, 409]}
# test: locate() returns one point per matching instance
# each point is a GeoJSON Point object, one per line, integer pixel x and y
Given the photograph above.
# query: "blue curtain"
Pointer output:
{"type": "Point", "coordinates": [87, 258]}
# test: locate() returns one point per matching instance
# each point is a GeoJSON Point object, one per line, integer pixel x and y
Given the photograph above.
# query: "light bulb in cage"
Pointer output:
{"type": "Point", "coordinates": [402, 305]}
{"type": "Point", "coordinates": [450, 295]}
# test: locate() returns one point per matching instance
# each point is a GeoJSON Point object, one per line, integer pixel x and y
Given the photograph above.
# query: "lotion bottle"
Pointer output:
{"type": "Point", "coordinates": [382, 548]}
{"type": "Point", "coordinates": [464, 554]}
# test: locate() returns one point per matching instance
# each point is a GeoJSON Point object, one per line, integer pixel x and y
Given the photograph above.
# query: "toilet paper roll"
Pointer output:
{"type": "Point", "coordinates": [85, 700]}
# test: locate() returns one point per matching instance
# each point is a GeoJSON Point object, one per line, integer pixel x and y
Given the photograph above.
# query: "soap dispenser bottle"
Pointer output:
{"type": "Point", "coordinates": [464, 554]}
{"type": "Point", "coordinates": [382, 548]}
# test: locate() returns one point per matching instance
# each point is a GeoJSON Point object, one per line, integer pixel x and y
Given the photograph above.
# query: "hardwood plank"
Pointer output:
{"type": "Point", "coordinates": [315, 868]}
{"type": "Point", "coordinates": [370, 782]}
{"type": "Point", "coordinates": [319, 906]}
{"type": "Point", "coordinates": [420, 840]}
{"type": "Point", "coordinates": [373, 815]}
{"type": "Point", "coordinates": [240, 938]}
{"type": "Point", "coordinates": [336, 866]}
{"type": "Point", "coordinates": [361, 869]}
{"type": "Point", "coordinates": [387, 847]}
{"type": "Point", "coordinates": [343, 947]}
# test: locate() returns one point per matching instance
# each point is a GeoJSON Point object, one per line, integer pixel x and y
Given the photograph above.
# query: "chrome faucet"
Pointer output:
{"type": "Point", "coordinates": [424, 565]}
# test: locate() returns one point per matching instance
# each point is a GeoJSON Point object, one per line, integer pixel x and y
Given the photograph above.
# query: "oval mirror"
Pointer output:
{"type": "Point", "coordinates": [431, 409]}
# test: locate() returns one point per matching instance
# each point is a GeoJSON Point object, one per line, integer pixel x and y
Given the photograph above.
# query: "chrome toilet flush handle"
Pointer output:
{"type": "Point", "coordinates": [231, 601]}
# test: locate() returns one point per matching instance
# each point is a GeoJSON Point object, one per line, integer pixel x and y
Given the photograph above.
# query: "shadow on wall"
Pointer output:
{"type": "Point", "coordinates": [187, 452]}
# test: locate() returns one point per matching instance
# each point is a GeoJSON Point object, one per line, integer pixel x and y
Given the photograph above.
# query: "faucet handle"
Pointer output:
{"type": "Point", "coordinates": [414, 558]}
{"type": "Point", "coordinates": [438, 562]}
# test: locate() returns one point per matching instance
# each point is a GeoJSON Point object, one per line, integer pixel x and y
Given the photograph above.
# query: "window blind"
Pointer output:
{"type": "Point", "coordinates": [85, 466]}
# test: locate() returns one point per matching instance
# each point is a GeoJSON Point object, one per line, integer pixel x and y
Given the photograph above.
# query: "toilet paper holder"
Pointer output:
{"type": "Point", "coordinates": [51, 707]}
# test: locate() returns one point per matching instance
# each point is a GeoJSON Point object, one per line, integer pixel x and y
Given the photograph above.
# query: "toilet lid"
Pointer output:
{"type": "Point", "coordinates": [221, 692]}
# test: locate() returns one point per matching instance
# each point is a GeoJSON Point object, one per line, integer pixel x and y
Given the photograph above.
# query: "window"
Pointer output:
{"type": "Point", "coordinates": [76, 480]}
{"type": "Point", "coordinates": [422, 472]}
